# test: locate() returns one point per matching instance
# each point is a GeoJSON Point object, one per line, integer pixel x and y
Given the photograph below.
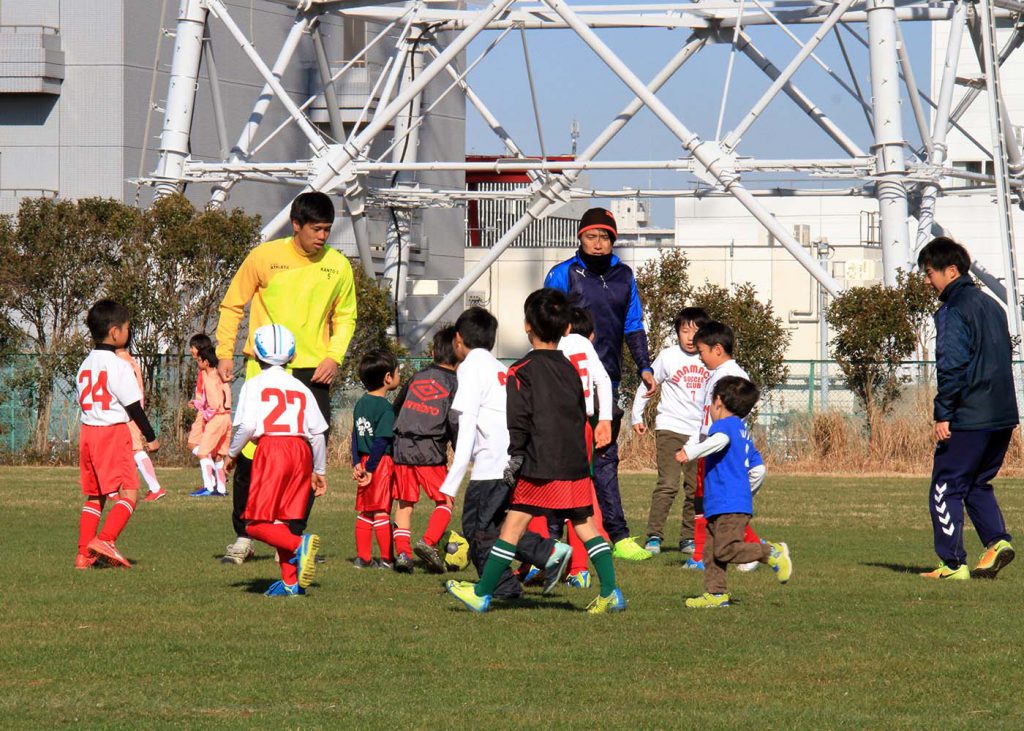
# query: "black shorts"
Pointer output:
{"type": "Point", "coordinates": [570, 514]}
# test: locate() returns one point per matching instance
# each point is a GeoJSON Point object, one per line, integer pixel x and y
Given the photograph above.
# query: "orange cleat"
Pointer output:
{"type": "Point", "coordinates": [109, 551]}
{"type": "Point", "coordinates": [154, 496]}
{"type": "Point", "coordinates": [84, 560]}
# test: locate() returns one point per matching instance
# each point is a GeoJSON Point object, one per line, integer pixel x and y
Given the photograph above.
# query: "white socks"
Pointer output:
{"type": "Point", "coordinates": [207, 468]}
{"type": "Point", "coordinates": [222, 484]}
{"type": "Point", "coordinates": [145, 465]}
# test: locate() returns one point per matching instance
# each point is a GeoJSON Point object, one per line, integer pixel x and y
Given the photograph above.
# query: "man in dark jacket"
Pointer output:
{"type": "Point", "coordinates": [975, 413]}
{"type": "Point", "coordinates": [596, 280]}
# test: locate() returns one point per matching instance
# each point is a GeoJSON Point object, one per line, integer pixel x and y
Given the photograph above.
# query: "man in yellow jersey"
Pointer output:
{"type": "Point", "coordinates": [305, 285]}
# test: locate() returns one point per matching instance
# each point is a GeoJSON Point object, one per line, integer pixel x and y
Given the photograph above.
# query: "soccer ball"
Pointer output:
{"type": "Point", "coordinates": [456, 551]}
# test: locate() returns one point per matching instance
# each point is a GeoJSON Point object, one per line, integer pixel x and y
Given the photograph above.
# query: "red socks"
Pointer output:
{"type": "Point", "coordinates": [89, 523]}
{"type": "Point", "coordinates": [382, 530]}
{"type": "Point", "coordinates": [279, 536]}
{"type": "Point", "coordinates": [116, 519]}
{"type": "Point", "coordinates": [699, 534]}
{"type": "Point", "coordinates": [539, 525]}
{"type": "Point", "coordinates": [364, 536]}
{"type": "Point", "coordinates": [437, 525]}
{"type": "Point", "coordinates": [749, 536]}
{"type": "Point", "coordinates": [403, 541]}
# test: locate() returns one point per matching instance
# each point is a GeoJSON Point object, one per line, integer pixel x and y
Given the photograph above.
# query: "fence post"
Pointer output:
{"type": "Point", "coordinates": [810, 389]}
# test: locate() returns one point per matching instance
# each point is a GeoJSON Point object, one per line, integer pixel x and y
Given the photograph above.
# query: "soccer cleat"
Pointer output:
{"type": "Point", "coordinates": [201, 492]}
{"type": "Point", "coordinates": [708, 601]}
{"type": "Point", "coordinates": [403, 563]}
{"type": "Point", "coordinates": [579, 580]}
{"type": "Point", "coordinates": [779, 560]}
{"type": "Point", "coordinates": [218, 493]}
{"type": "Point", "coordinates": [85, 560]}
{"type": "Point", "coordinates": [960, 573]}
{"type": "Point", "coordinates": [465, 592]}
{"type": "Point", "coordinates": [748, 567]}
{"type": "Point", "coordinates": [629, 550]}
{"type": "Point", "coordinates": [361, 564]}
{"type": "Point", "coordinates": [109, 551]}
{"type": "Point", "coordinates": [383, 564]}
{"type": "Point", "coordinates": [532, 577]}
{"type": "Point", "coordinates": [653, 545]}
{"type": "Point", "coordinates": [687, 546]}
{"type": "Point", "coordinates": [556, 565]}
{"type": "Point", "coordinates": [154, 496]}
{"type": "Point", "coordinates": [279, 588]}
{"type": "Point", "coordinates": [305, 559]}
{"type": "Point", "coordinates": [429, 555]}
{"type": "Point", "coordinates": [994, 560]}
{"type": "Point", "coordinates": [697, 565]}
{"type": "Point", "coordinates": [238, 552]}
{"type": "Point", "coordinates": [614, 602]}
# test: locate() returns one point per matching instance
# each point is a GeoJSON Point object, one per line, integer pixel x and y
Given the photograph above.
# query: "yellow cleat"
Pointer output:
{"type": "Point", "coordinates": [944, 572]}
{"type": "Point", "coordinates": [614, 602]}
{"type": "Point", "coordinates": [998, 555]}
{"type": "Point", "coordinates": [708, 601]}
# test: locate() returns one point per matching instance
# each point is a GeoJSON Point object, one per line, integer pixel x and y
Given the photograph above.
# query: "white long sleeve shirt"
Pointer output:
{"type": "Point", "coordinates": [682, 377]}
{"type": "Point", "coordinates": [580, 352]}
{"type": "Point", "coordinates": [728, 368]}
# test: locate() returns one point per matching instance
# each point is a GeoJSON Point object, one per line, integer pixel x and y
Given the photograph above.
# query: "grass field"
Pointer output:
{"type": "Point", "coordinates": [855, 640]}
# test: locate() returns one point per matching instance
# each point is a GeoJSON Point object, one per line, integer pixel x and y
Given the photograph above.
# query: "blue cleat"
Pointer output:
{"type": "Point", "coordinates": [614, 602]}
{"type": "Point", "coordinates": [305, 558]}
{"type": "Point", "coordinates": [579, 580]}
{"type": "Point", "coordinates": [693, 565]}
{"type": "Point", "coordinates": [279, 588]}
{"type": "Point", "coordinates": [202, 492]}
{"type": "Point", "coordinates": [653, 545]}
{"type": "Point", "coordinates": [556, 566]}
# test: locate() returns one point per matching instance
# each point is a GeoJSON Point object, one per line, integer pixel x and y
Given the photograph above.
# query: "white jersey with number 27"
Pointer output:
{"type": "Point", "coordinates": [275, 403]}
{"type": "Point", "coordinates": [106, 384]}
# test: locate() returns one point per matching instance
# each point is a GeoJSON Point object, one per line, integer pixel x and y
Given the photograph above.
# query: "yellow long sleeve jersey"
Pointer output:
{"type": "Point", "coordinates": [314, 297]}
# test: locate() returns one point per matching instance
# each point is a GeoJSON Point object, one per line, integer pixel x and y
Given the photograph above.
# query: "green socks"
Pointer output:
{"type": "Point", "coordinates": [498, 560]}
{"type": "Point", "coordinates": [601, 556]}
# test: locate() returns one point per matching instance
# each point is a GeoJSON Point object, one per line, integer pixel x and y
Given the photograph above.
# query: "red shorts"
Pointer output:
{"type": "Point", "coordinates": [410, 479]}
{"type": "Point", "coordinates": [279, 488]}
{"type": "Point", "coordinates": [105, 459]}
{"type": "Point", "coordinates": [377, 495]}
{"type": "Point", "coordinates": [554, 494]}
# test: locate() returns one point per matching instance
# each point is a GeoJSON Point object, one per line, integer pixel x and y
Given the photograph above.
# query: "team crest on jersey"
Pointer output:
{"type": "Point", "coordinates": [428, 390]}
{"type": "Point", "coordinates": [364, 427]}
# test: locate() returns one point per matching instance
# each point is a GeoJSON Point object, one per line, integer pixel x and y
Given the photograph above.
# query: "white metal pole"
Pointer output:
{"type": "Point", "coordinates": [888, 147]}
{"type": "Point", "coordinates": [215, 97]}
{"type": "Point", "coordinates": [181, 96]}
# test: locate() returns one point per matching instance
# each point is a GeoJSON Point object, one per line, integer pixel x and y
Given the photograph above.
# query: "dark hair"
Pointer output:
{"type": "Point", "coordinates": [444, 347]}
{"type": "Point", "coordinates": [104, 315]}
{"type": "Point", "coordinates": [738, 395]}
{"type": "Point", "coordinates": [478, 328]}
{"type": "Point", "coordinates": [207, 353]}
{"type": "Point", "coordinates": [374, 366]}
{"type": "Point", "coordinates": [312, 207]}
{"type": "Point", "coordinates": [199, 341]}
{"type": "Point", "coordinates": [714, 333]}
{"type": "Point", "coordinates": [942, 252]}
{"type": "Point", "coordinates": [582, 322]}
{"type": "Point", "coordinates": [548, 313]}
{"type": "Point", "coordinates": [696, 315]}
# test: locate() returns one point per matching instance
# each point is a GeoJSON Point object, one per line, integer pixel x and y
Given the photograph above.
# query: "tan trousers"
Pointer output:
{"type": "Point", "coordinates": [669, 472]}
{"type": "Point", "coordinates": [724, 545]}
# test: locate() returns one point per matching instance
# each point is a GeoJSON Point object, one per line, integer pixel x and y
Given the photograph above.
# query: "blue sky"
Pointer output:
{"type": "Point", "coordinates": [572, 83]}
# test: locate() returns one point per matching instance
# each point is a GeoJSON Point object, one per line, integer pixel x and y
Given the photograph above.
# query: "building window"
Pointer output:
{"type": "Point", "coordinates": [354, 40]}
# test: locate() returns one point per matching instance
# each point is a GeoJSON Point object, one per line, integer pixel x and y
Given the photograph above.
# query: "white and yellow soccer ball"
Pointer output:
{"type": "Point", "coordinates": [456, 551]}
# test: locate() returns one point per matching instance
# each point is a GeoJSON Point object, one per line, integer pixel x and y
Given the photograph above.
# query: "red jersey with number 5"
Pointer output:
{"type": "Point", "coordinates": [275, 403]}
{"type": "Point", "coordinates": [106, 384]}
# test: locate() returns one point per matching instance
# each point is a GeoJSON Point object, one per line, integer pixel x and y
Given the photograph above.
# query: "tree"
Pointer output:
{"type": "Point", "coordinates": [874, 333]}
{"type": "Point", "coordinates": [374, 317]}
{"type": "Point", "coordinates": [664, 286]}
{"type": "Point", "coordinates": [57, 255]}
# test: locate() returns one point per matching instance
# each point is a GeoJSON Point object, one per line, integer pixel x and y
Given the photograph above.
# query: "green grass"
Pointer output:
{"type": "Point", "coordinates": [855, 640]}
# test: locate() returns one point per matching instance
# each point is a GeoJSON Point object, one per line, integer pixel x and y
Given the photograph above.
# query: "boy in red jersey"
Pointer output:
{"type": "Point", "coordinates": [279, 412]}
{"type": "Point", "coordinates": [109, 397]}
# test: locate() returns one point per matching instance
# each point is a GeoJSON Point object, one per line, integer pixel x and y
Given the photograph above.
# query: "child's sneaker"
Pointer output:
{"type": "Point", "coordinates": [687, 547]}
{"type": "Point", "coordinates": [614, 602]}
{"type": "Point", "coordinates": [708, 601]}
{"type": "Point", "coordinates": [579, 580]}
{"type": "Point", "coordinates": [429, 555]}
{"type": "Point", "coordinates": [383, 564]}
{"type": "Point", "coordinates": [532, 577]}
{"type": "Point", "coordinates": [995, 559]}
{"type": "Point", "coordinates": [238, 552]}
{"type": "Point", "coordinates": [109, 551]}
{"type": "Point", "coordinates": [361, 564]}
{"type": "Point", "coordinates": [629, 550]}
{"type": "Point", "coordinates": [154, 496]}
{"type": "Point", "coordinates": [653, 545]}
{"type": "Point", "coordinates": [556, 566]}
{"type": "Point", "coordinates": [781, 564]}
{"type": "Point", "coordinates": [201, 492]}
{"type": "Point", "coordinates": [305, 558]}
{"type": "Point", "coordinates": [465, 592]}
{"type": "Point", "coordinates": [403, 563]}
{"type": "Point", "coordinates": [748, 567]}
{"type": "Point", "coordinates": [85, 560]}
{"type": "Point", "coordinates": [693, 565]}
{"type": "Point", "coordinates": [279, 588]}
{"type": "Point", "coordinates": [960, 573]}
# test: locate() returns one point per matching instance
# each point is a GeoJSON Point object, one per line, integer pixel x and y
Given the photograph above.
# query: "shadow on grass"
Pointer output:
{"type": "Point", "coordinates": [900, 568]}
{"type": "Point", "coordinates": [260, 586]}
{"type": "Point", "coordinates": [526, 602]}
{"type": "Point", "coordinates": [252, 559]}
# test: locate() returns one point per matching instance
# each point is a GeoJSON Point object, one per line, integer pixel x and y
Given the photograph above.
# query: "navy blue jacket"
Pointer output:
{"type": "Point", "coordinates": [973, 358]}
{"type": "Point", "coordinates": [614, 303]}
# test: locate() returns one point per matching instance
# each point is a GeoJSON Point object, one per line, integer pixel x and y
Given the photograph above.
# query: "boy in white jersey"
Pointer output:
{"type": "Point", "coordinates": [280, 414]}
{"type": "Point", "coordinates": [109, 396]}
{"type": "Point", "coordinates": [682, 376]}
{"type": "Point", "coordinates": [479, 407]}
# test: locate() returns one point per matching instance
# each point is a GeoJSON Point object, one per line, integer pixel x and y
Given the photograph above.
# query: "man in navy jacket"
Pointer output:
{"type": "Point", "coordinates": [596, 280]}
{"type": "Point", "coordinates": [975, 413]}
